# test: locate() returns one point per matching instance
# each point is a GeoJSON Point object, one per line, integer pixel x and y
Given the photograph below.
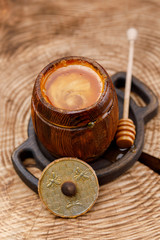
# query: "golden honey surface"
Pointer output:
{"type": "Point", "coordinates": [73, 87]}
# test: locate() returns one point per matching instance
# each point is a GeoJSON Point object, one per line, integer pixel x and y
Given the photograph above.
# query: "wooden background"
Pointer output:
{"type": "Point", "coordinates": [32, 34]}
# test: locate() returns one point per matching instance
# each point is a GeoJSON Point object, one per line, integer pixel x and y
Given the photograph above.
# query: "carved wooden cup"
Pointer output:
{"type": "Point", "coordinates": [83, 133]}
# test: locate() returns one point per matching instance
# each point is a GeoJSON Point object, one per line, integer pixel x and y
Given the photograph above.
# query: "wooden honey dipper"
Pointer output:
{"type": "Point", "coordinates": [126, 129]}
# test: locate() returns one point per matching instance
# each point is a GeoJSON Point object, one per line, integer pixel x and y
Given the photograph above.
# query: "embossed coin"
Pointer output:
{"type": "Point", "coordinates": [68, 187]}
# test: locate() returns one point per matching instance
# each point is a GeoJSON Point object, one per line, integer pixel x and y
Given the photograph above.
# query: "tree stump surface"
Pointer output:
{"type": "Point", "coordinates": [34, 33]}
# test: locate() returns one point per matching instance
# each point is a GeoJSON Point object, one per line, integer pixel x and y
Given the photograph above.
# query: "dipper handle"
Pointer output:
{"type": "Point", "coordinates": [126, 129]}
{"type": "Point", "coordinates": [132, 35]}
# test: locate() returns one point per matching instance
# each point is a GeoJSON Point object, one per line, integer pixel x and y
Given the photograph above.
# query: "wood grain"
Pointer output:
{"type": "Point", "coordinates": [34, 33]}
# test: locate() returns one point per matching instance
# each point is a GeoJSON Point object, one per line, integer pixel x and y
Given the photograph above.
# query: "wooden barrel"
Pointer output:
{"type": "Point", "coordinates": [84, 133]}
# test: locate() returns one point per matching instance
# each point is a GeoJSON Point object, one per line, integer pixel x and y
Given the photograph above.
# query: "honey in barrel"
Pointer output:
{"type": "Point", "coordinates": [73, 87]}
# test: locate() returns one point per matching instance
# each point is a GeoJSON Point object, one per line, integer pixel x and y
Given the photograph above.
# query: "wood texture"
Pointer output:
{"type": "Point", "coordinates": [33, 33]}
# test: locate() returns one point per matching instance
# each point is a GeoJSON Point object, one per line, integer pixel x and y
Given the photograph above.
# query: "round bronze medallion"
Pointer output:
{"type": "Point", "coordinates": [68, 187]}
